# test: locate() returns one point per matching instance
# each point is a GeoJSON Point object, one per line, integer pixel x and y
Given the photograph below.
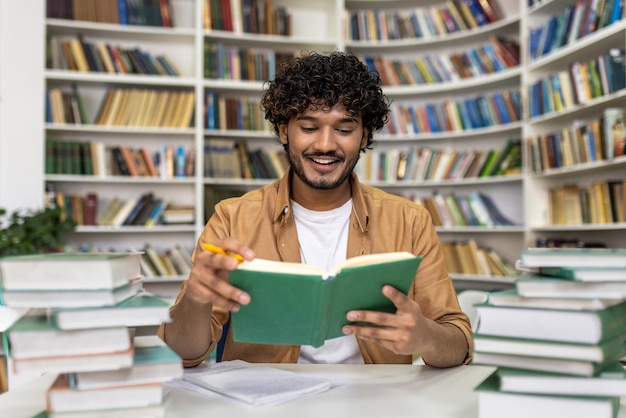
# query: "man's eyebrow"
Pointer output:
{"type": "Point", "coordinates": [347, 119]}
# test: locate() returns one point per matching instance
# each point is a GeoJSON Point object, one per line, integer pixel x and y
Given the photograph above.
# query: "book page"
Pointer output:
{"type": "Point", "coordinates": [364, 260]}
{"type": "Point", "coordinates": [252, 384]}
{"type": "Point", "coordinates": [259, 264]}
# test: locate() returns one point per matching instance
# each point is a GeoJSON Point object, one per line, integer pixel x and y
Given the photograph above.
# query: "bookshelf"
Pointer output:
{"type": "Point", "coordinates": [452, 88]}
{"type": "Point", "coordinates": [550, 188]}
{"type": "Point", "coordinates": [522, 196]}
{"type": "Point", "coordinates": [185, 44]}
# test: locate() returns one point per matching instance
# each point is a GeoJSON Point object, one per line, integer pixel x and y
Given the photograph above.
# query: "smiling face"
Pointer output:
{"type": "Point", "coordinates": [323, 148]}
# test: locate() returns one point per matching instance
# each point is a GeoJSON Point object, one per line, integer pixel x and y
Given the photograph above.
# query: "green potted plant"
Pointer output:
{"type": "Point", "coordinates": [32, 232]}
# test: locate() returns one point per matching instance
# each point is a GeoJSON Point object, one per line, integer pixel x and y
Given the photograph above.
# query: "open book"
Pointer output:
{"type": "Point", "coordinates": [299, 304]}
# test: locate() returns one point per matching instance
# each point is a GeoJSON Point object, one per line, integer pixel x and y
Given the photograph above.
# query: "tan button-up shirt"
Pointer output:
{"type": "Point", "coordinates": [380, 222]}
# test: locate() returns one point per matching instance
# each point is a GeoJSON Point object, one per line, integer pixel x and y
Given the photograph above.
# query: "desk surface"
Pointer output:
{"type": "Point", "coordinates": [370, 391]}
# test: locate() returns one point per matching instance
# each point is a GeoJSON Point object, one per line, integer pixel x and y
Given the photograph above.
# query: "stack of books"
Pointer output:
{"type": "Point", "coordinates": [83, 309]}
{"type": "Point", "coordinates": [557, 338]}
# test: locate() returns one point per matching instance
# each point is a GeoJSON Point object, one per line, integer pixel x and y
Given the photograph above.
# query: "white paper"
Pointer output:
{"type": "Point", "coordinates": [253, 384]}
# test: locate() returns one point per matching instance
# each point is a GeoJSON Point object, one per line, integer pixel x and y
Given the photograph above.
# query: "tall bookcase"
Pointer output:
{"type": "Point", "coordinates": [524, 198]}
{"type": "Point", "coordinates": [549, 216]}
{"type": "Point", "coordinates": [384, 46]}
{"type": "Point", "coordinates": [315, 26]}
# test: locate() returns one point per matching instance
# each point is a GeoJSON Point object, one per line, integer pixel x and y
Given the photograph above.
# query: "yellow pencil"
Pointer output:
{"type": "Point", "coordinates": [217, 250]}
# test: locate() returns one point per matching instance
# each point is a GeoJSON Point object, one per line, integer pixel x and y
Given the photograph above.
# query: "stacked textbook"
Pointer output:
{"type": "Point", "coordinates": [83, 309]}
{"type": "Point", "coordinates": [557, 338]}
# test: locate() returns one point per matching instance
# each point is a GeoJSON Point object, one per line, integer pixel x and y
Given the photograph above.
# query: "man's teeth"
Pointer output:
{"type": "Point", "coordinates": [322, 161]}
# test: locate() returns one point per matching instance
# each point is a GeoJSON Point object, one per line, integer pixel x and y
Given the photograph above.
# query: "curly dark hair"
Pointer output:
{"type": "Point", "coordinates": [317, 80]}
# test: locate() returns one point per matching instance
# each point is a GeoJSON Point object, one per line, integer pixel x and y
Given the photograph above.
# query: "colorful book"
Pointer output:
{"type": "Point", "coordinates": [314, 303]}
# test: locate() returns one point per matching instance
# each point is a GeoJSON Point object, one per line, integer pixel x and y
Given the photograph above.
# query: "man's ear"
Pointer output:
{"type": "Point", "coordinates": [282, 133]}
{"type": "Point", "coordinates": [364, 138]}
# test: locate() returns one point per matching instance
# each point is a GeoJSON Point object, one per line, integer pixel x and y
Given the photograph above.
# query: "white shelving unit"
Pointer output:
{"type": "Point", "coordinates": [507, 191]}
{"type": "Point", "coordinates": [317, 25]}
{"type": "Point", "coordinates": [537, 185]}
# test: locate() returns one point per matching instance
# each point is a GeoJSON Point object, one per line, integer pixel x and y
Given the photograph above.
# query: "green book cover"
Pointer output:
{"type": "Point", "coordinates": [299, 304]}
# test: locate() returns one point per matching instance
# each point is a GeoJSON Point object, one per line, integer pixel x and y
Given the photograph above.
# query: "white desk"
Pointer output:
{"type": "Point", "coordinates": [371, 391]}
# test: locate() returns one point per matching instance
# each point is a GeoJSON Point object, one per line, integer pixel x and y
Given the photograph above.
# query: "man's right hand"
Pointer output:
{"type": "Point", "coordinates": [208, 281]}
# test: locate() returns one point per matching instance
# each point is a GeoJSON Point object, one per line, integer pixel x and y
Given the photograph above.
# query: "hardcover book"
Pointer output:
{"type": "Point", "coordinates": [35, 336]}
{"type": "Point", "coordinates": [295, 303]}
{"type": "Point", "coordinates": [545, 286]}
{"type": "Point", "coordinates": [62, 397]}
{"type": "Point", "coordinates": [68, 298]}
{"type": "Point", "coordinates": [587, 274]}
{"type": "Point", "coordinates": [65, 271]}
{"type": "Point", "coordinates": [140, 310]}
{"type": "Point", "coordinates": [602, 352]}
{"type": "Point", "coordinates": [494, 403]}
{"type": "Point", "coordinates": [511, 298]}
{"type": "Point", "coordinates": [574, 257]}
{"type": "Point", "coordinates": [610, 382]}
{"type": "Point", "coordinates": [588, 327]}
{"type": "Point", "coordinates": [151, 364]}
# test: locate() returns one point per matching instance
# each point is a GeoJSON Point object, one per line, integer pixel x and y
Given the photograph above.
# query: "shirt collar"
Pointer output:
{"type": "Point", "coordinates": [282, 211]}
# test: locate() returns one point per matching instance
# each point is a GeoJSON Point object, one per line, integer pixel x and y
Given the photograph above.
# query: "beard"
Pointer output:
{"type": "Point", "coordinates": [321, 183]}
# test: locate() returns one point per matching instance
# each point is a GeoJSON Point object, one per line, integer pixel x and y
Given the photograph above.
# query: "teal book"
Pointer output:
{"type": "Point", "coordinates": [606, 351]}
{"type": "Point", "coordinates": [510, 297]}
{"type": "Point", "coordinates": [140, 310]}
{"type": "Point", "coordinates": [586, 274]}
{"type": "Point", "coordinates": [495, 403]}
{"type": "Point", "coordinates": [574, 257]}
{"type": "Point", "coordinates": [37, 336]}
{"type": "Point", "coordinates": [65, 271]}
{"type": "Point", "coordinates": [609, 382]}
{"type": "Point", "coordinates": [70, 298]}
{"type": "Point", "coordinates": [585, 327]}
{"type": "Point", "coordinates": [300, 304]}
{"type": "Point", "coordinates": [547, 286]}
{"type": "Point", "coordinates": [151, 364]}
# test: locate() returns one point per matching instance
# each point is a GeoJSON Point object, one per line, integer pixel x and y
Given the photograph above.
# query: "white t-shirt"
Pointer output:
{"type": "Point", "coordinates": [323, 240]}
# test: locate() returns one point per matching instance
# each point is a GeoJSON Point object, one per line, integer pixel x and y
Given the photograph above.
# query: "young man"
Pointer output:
{"type": "Point", "coordinates": [325, 109]}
